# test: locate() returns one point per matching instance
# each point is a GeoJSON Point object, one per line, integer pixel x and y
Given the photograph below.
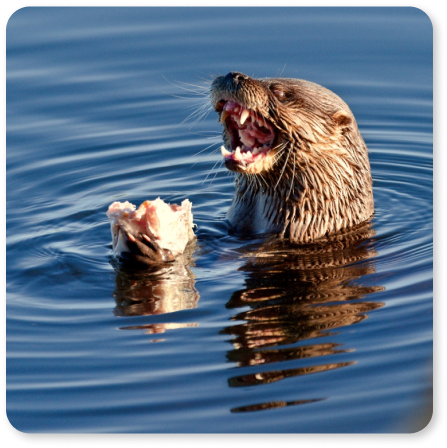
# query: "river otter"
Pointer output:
{"type": "Point", "coordinates": [301, 165]}
{"type": "Point", "coordinates": [302, 168]}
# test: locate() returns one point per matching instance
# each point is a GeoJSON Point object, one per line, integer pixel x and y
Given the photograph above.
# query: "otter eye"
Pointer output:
{"type": "Point", "coordinates": [279, 94]}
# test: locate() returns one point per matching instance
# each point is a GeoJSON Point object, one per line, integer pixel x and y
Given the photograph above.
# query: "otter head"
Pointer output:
{"type": "Point", "coordinates": [303, 142]}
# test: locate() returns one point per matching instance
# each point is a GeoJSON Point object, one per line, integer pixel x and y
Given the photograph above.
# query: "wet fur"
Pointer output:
{"type": "Point", "coordinates": [317, 181]}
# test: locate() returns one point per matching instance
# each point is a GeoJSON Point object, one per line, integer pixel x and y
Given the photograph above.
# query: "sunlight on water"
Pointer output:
{"type": "Point", "coordinates": [239, 335]}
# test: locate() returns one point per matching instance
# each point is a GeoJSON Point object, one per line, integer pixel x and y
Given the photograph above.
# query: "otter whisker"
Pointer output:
{"type": "Point", "coordinates": [277, 158]}
{"type": "Point", "coordinates": [214, 133]}
{"type": "Point", "coordinates": [316, 181]}
{"type": "Point", "coordinates": [211, 171]}
{"type": "Point", "coordinates": [284, 167]}
{"type": "Point", "coordinates": [217, 172]}
{"type": "Point", "coordinates": [258, 180]}
{"type": "Point", "coordinates": [282, 71]}
{"type": "Point", "coordinates": [198, 115]}
{"type": "Point", "coordinates": [204, 149]}
{"type": "Point", "coordinates": [293, 177]}
{"type": "Point", "coordinates": [253, 183]}
{"type": "Point", "coordinates": [279, 151]}
{"type": "Point", "coordinates": [203, 90]}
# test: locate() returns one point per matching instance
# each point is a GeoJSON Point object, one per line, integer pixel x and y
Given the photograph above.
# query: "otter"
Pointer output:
{"type": "Point", "coordinates": [301, 166]}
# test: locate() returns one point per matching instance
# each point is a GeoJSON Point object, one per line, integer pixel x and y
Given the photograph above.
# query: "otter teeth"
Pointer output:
{"type": "Point", "coordinates": [245, 114]}
{"type": "Point", "coordinates": [224, 116]}
{"type": "Point", "coordinates": [225, 152]}
{"type": "Point", "coordinates": [237, 154]}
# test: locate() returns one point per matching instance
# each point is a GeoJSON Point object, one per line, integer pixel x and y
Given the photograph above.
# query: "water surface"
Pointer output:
{"type": "Point", "coordinates": [334, 339]}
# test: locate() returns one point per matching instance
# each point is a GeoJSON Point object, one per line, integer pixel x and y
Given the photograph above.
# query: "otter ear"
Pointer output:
{"type": "Point", "coordinates": [342, 118]}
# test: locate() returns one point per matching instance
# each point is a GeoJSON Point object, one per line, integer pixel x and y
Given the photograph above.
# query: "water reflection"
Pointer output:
{"type": "Point", "coordinates": [271, 405]}
{"type": "Point", "coordinates": [292, 294]}
{"type": "Point", "coordinates": [295, 294]}
{"type": "Point", "coordinates": [141, 292]}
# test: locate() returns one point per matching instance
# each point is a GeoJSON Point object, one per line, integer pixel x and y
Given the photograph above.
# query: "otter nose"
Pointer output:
{"type": "Point", "coordinates": [235, 77]}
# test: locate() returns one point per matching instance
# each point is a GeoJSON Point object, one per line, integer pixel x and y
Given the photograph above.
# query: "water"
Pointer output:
{"type": "Point", "coordinates": [324, 341]}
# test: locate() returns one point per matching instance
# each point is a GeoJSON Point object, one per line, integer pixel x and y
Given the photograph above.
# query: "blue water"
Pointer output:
{"type": "Point", "coordinates": [97, 108]}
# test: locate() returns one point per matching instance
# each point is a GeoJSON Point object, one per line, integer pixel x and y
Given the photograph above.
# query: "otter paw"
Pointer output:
{"type": "Point", "coordinates": [144, 249]}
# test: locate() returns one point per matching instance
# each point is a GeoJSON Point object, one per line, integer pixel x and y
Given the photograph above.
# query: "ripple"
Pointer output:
{"type": "Point", "coordinates": [95, 113]}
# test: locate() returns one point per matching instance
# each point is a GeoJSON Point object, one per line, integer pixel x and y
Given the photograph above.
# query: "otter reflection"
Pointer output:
{"type": "Point", "coordinates": [156, 290]}
{"type": "Point", "coordinates": [295, 294]}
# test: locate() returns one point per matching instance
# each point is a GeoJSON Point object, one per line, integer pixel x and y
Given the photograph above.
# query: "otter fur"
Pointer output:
{"type": "Point", "coordinates": [301, 166]}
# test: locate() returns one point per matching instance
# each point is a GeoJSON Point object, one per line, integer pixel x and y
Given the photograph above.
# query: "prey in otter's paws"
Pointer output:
{"type": "Point", "coordinates": [301, 170]}
{"type": "Point", "coordinates": [153, 234]}
{"type": "Point", "coordinates": [301, 166]}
